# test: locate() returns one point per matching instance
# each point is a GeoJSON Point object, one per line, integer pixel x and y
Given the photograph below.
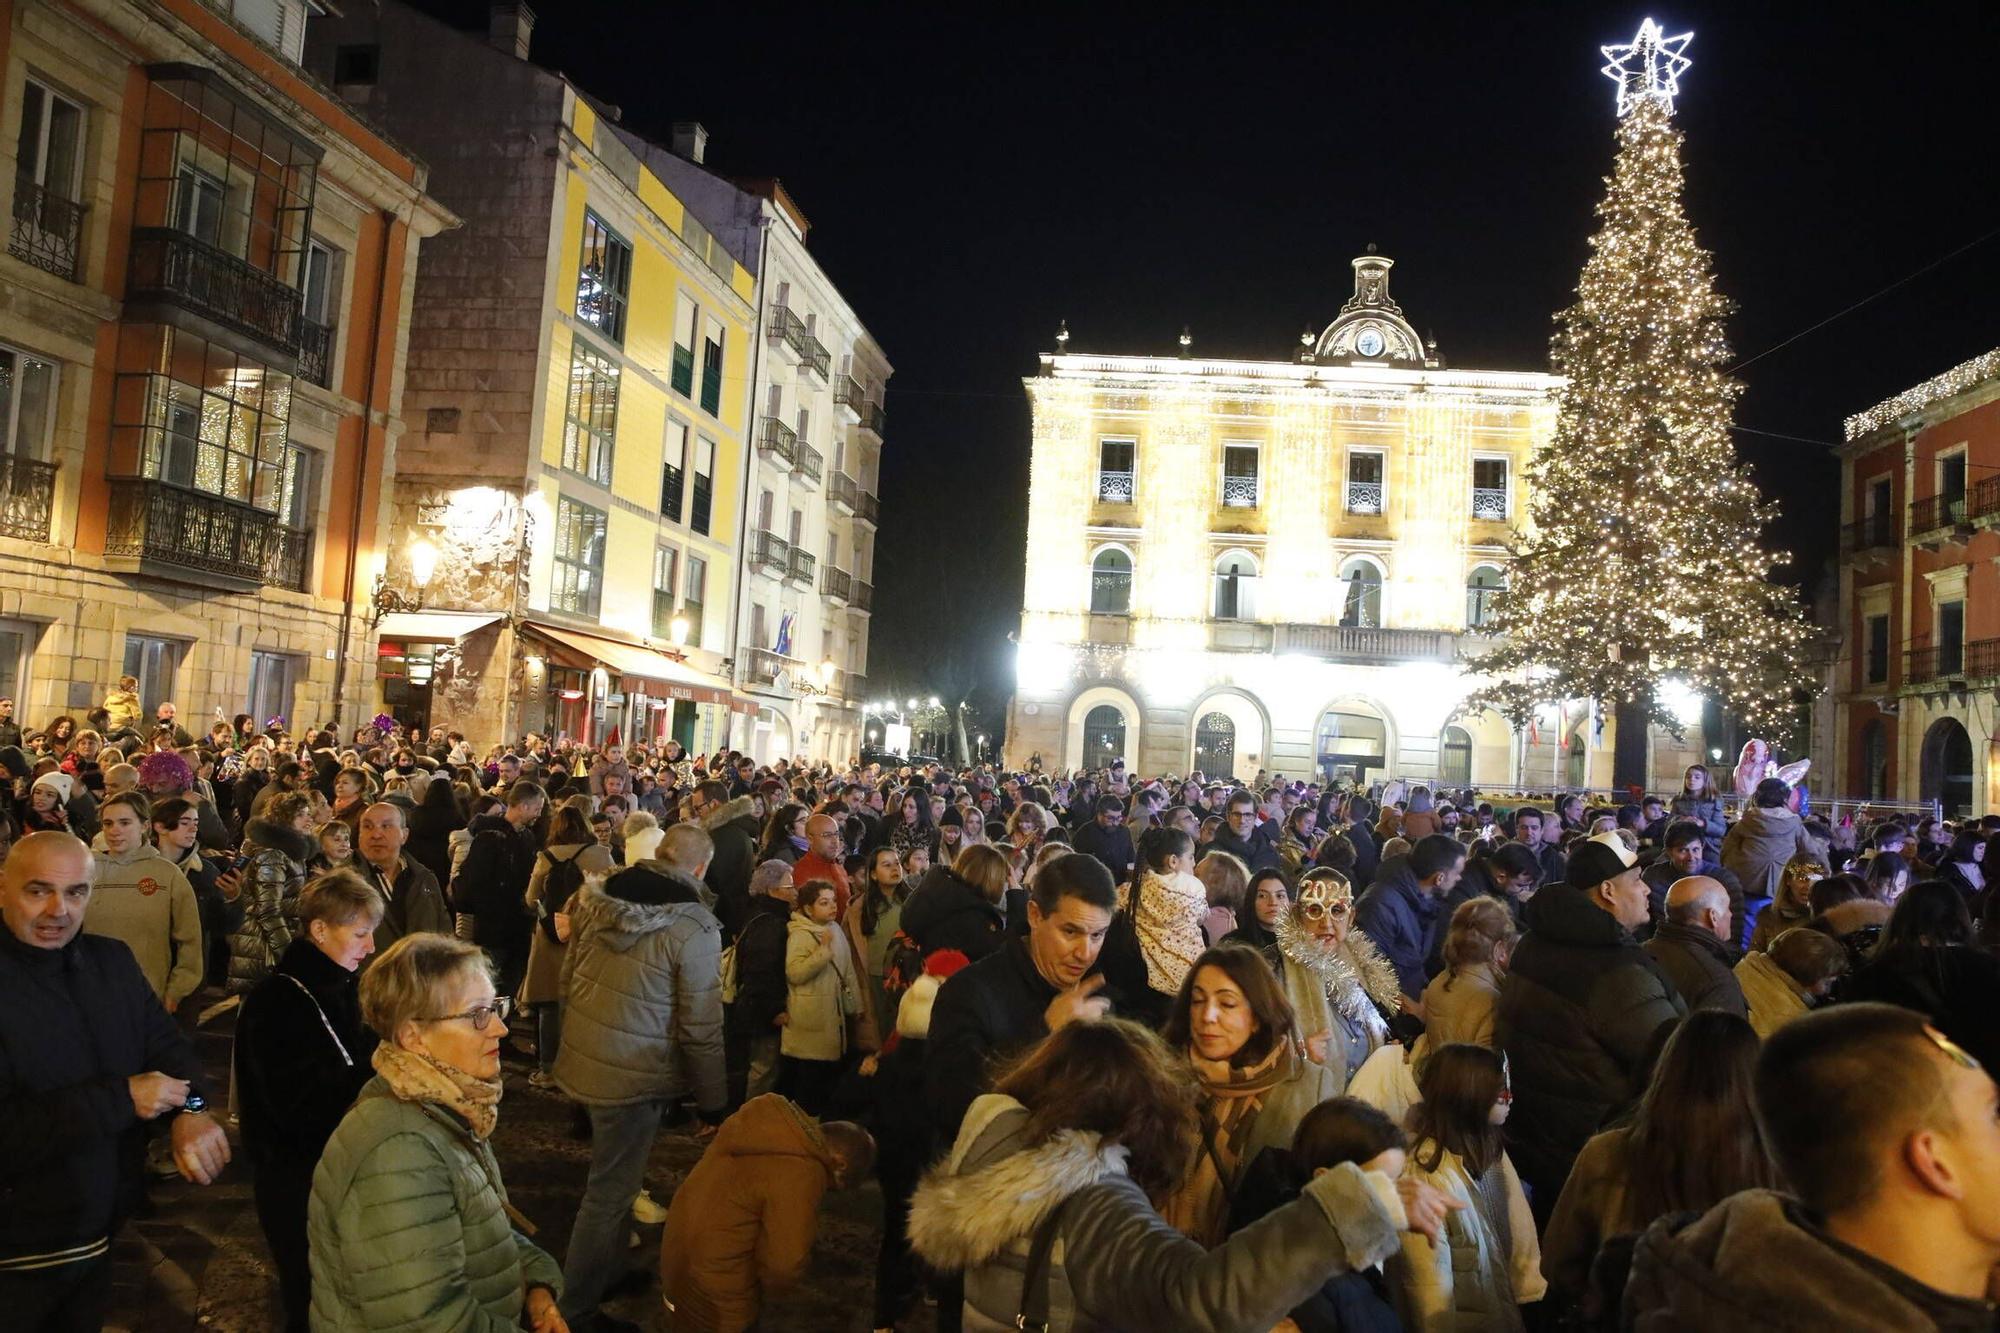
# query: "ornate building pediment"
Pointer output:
{"type": "Point", "coordinates": [1371, 327]}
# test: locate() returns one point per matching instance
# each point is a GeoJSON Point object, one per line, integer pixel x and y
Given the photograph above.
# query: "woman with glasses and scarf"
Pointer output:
{"type": "Point", "coordinates": [1338, 982]}
{"type": "Point", "coordinates": [409, 1224]}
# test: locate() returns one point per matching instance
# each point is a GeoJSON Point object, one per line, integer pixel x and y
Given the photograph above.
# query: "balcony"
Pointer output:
{"type": "Point", "coordinates": [48, 230]}
{"type": "Point", "coordinates": [837, 585]}
{"type": "Point", "coordinates": [1952, 664]}
{"type": "Point", "coordinates": [868, 509]}
{"type": "Point", "coordinates": [848, 395]}
{"type": "Point", "coordinates": [864, 597]}
{"type": "Point", "coordinates": [288, 558]}
{"type": "Point", "coordinates": [788, 331]}
{"type": "Point", "coordinates": [874, 419]}
{"type": "Point", "coordinates": [1938, 520]}
{"type": "Point", "coordinates": [1984, 506]}
{"type": "Point", "coordinates": [1877, 532]}
{"type": "Point", "coordinates": [815, 356]}
{"type": "Point", "coordinates": [1356, 644]}
{"type": "Point", "coordinates": [842, 492]}
{"type": "Point", "coordinates": [1239, 492]}
{"type": "Point", "coordinates": [853, 685]}
{"type": "Point", "coordinates": [27, 497]}
{"type": "Point", "coordinates": [172, 266]}
{"type": "Point", "coordinates": [812, 464]}
{"type": "Point", "coordinates": [1114, 488]}
{"type": "Point", "coordinates": [770, 553]}
{"type": "Point", "coordinates": [779, 443]}
{"type": "Point", "coordinates": [769, 668]}
{"type": "Point", "coordinates": [157, 522]}
{"type": "Point", "coordinates": [1364, 498]}
{"type": "Point", "coordinates": [1489, 504]}
{"type": "Point", "coordinates": [803, 562]}
{"type": "Point", "coordinates": [315, 353]}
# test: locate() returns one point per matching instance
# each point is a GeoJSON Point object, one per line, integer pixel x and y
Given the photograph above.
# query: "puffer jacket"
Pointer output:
{"type": "Point", "coordinates": [408, 1227]}
{"type": "Point", "coordinates": [642, 978]}
{"type": "Point", "coordinates": [1115, 1263]}
{"type": "Point", "coordinates": [1488, 1261]}
{"type": "Point", "coordinates": [1760, 844]}
{"type": "Point", "coordinates": [946, 912]}
{"type": "Point", "coordinates": [1755, 1263]}
{"type": "Point", "coordinates": [1707, 809]}
{"type": "Point", "coordinates": [1396, 913]}
{"type": "Point", "coordinates": [1578, 1011]}
{"type": "Point", "coordinates": [270, 900]}
{"type": "Point", "coordinates": [728, 876]}
{"type": "Point", "coordinates": [823, 991]}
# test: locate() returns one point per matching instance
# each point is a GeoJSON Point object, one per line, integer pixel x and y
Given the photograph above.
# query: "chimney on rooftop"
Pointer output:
{"type": "Point", "coordinates": [690, 140]}
{"type": "Point", "coordinates": [509, 26]}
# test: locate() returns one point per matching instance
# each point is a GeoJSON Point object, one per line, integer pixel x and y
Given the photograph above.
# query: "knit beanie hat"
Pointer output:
{"type": "Point", "coordinates": [913, 1013]}
{"type": "Point", "coordinates": [59, 783]}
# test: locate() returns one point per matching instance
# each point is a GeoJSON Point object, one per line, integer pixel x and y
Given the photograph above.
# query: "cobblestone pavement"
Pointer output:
{"type": "Point", "coordinates": [199, 1262]}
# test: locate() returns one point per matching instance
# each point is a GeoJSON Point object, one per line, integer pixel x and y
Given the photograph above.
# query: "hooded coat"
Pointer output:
{"type": "Point", "coordinates": [1396, 914]}
{"type": "Point", "coordinates": [1756, 849]}
{"type": "Point", "coordinates": [642, 1020]}
{"type": "Point", "coordinates": [1754, 1263]}
{"type": "Point", "coordinates": [270, 895]}
{"type": "Point", "coordinates": [823, 991]}
{"type": "Point", "coordinates": [1115, 1263]}
{"type": "Point", "coordinates": [1774, 998]}
{"type": "Point", "coordinates": [1578, 1011]}
{"type": "Point", "coordinates": [142, 898]}
{"type": "Point", "coordinates": [732, 827]}
{"type": "Point", "coordinates": [946, 912]}
{"type": "Point", "coordinates": [742, 1224]}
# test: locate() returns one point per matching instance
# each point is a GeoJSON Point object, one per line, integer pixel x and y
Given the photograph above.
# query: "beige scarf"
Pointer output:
{"type": "Point", "coordinates": [1167, 920]}
{"type": "Point", "coordinates": [419, 1078]}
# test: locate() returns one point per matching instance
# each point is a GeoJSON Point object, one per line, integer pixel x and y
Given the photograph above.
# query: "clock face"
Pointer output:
{"type": "Point", "coordinates": [1369, 343]}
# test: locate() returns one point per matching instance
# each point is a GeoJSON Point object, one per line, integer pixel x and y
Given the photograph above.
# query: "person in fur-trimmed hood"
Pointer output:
{"type": "Point", "coordinates": [1045, 1203]}
{"type": "Point", "coordinates": [277, 844]}
{"type": "Point", "coordinates": [732, 824]}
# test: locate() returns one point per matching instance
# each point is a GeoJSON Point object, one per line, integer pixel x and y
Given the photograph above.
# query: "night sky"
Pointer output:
{"type": "Point", "coordinates": [972, 178]}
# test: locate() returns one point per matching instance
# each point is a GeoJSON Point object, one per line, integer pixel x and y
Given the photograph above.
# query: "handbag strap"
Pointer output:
{"type": "Point", "coordinates": [1034, 1315]}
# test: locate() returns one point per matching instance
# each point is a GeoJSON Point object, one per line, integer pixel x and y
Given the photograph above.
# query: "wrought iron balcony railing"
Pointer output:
{"type": "Point", "coordinates": [802, 566]}
{"type": "Point", "coordinates": [1875, 532]}
{"type": "Point", "coordinates": [868, 509]}
{"type": "Point", "coordinates": [1239, 492]}
{"type": "Point", "coordinates": [315, 353]}
{"type": "Point", "coordinates": [837, 584]}
{"type": "Point", "coordinates": [170, 265]}
{"type": "Point", "coordinates": [842, 491]}
{"type": "Point", "coordinates": [780, 442]}
{"type": "Point", "coordinates": [1364, 497]}
{"type": "Point", "coordinates": [1114, 488]}
{"type": "Point", "coordinates": [788, 329]}
{"type": "Point", "coordinates": [812, 463]}
{"type": "Point", "coordinates": [27, 497]}
{"type": "Point", "coordinates": [874, 418]}
{"type": "Point", "coordinates": [816, 356]}
{"type": "Point", "coordinates": [864, 596]}
{"type": "Point", "coordinates": [288, 558]}
{"type": "Point", "coordinates": [1934, 512]}
{"type": "Point", "coordinates": [1489, 503]}
{"type": "Point", "coordinates": [769, 551]}
{"type": "Point", "coordinates": [847, 393]}
{"type": "Point", "coordinates": [175, 525]}
{"type": "Point", "coordinates": [48, 229]}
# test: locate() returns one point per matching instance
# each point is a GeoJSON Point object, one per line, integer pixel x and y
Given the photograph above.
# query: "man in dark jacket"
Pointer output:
{"type": "Point", "coordinates": [946, 911]}
{"type": "Point", "coordinates": [10, 728]}
{"type": "Point", "coordinates": [1686, 855]}
{"type": "Point", "coordinates": [1108, 839]}
{"type": "Point", "coordinates": [408, 888]}
{"type": "Point", "coordinates": [1254, 844]}
{"type": "Point", "coordinates": [757, 1013]}
{"type": "Point", "coordinates": [492, 885]}
{"type": "Point", "coordinates": [1398, 910]}
{"type": "Point", "coordinates": [1887, 1134]}
{"type": "Point", "coordinates": [1360, 831]}
{"type": "Point", "coordinates": [735, 851]}
{"type": "Point", "coordinates": [87, 1057]}
{"type": "Point", "coordinates": [1579, 1012]}
{"type": "Point", "coordinates": [1692, 947]}
{"type": "Point", "coordinates": [1011, 999]}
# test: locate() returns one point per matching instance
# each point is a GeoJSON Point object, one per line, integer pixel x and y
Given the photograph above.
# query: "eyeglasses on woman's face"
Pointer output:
{"type": "Point", "coordinates": [1315, 908]}
{"type": "Point", "coordinates": [479, 1015]}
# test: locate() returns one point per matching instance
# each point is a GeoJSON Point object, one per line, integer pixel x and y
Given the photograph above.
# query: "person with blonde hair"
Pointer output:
{"type": "Point", "coordinates": [1788, 907]}
{"type": "Point", "coordinates": [408, 1226]}
{"type": "Point", "coordinates": [959, 906]}
{"type": "Point", "coordinates": [1458, 1003]}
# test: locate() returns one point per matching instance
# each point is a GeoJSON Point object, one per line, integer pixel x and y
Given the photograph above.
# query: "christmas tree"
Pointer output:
{"type": "Point", "coordinates": [1643, 576]}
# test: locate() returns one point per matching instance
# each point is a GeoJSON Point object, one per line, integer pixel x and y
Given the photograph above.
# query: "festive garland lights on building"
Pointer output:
{"type": "Point", "coordinates": [1958, 379]}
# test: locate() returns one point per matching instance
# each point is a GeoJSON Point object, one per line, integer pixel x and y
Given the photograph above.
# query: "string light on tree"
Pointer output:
{"type": "Point", "coordinates": [1645, 582]}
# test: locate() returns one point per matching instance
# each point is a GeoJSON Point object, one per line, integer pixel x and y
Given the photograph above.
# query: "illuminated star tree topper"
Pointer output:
{"type": "Point", "coordinates": [1647, 68]}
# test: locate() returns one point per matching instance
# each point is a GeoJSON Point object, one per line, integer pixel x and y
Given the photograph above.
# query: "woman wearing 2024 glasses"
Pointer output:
{"type": "Point", "coordinates": [1338, 982]}
{"type": "Point", "coordinates": [409, 1225]}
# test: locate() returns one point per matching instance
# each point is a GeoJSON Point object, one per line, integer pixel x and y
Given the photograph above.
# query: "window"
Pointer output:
{"type": "Point", "coordinates": [579, 568]}
{"type": "Point", "coordinates": [1361, 607]}
{"type": "Point", "coordinates": [1951, 485]}
{"type": "Point", "coordinates": [591, 418]}
{"type": "Point", "coordinates": [673, 475]}
{"type": "Point", "coordinates": [711, 370]}
{"type": "Point", "coordinates": [50, 149]}
{"type": "Point", "coordinates": [156, 663]}
{"type": "Point", "coordinates": [1111, 583]}
{"type": "Point", "coordinates": [666, 566]}
{"type": "Point", "coordinates": [1215, 745]}
{"type": "Point", "coordinates": [193, 413]}
{"type": "Point", "coordinates": [682, 375]}
{"type": "Point", "coordinates": [604, 278]}
{"type": "Point", "coordinates": [198, 207]}
{"type": "Point", "coordinates": [27, 403]}
{"type": "Point", "coordinates": [17, 655]}
{"type": "Point", "coordinates": [1235, 587]}
{"type": "Point", "coordinates": [1455, 757]}
{"type": "Point", "coordinates": [1878, 650]}
{"type": "Point", "coordinates": [1365, 489]}
{"type": "Point", "coordinates": [1103, 736]}
{"type": "Point", "coordinates": [1489, 489]}
{"type": "Point", "coordinates": [1879, 523]}
{"type": "Point", "coordinates": [279, 24]}
{"type": "Point", "coordinates": [1115, 459]}
{"type": "Point", "coordinates": [357, 64]}
{"type": "Point", "coordinates": [319, 299]}
{"type": "Point", "coordinates": [797, 530]}
{"type": "Point", "coordinates": [758, 624]}
{"type": "Point", "coordinates": [692, 595]}
{"type": "Point", "coordinates": [767, 505]}
{"type": "Point", "coordinates": [1482, 594]}
{"type": "Point", "coordinates": [704, 485]}
{"type": "Point", "coordinates": [1951, 638]}
{"type": "Point", "coordinates": [1239, 476]}
{"type": "Point", "coordinates": [1874, 760]}
{"type": "Point", "coordinates": [271, 678]}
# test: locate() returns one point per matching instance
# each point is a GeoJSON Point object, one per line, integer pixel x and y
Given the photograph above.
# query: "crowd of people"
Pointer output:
{"type": "Point", "coordinates": [1119, 1052]}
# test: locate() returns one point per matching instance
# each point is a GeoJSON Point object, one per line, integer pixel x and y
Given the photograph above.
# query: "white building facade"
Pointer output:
{"type": "Point", "coordinates": [1237, 566]}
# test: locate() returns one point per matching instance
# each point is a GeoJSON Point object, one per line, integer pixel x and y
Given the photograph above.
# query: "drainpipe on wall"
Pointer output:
{"type": "Point", "coordinates": [351, 574]}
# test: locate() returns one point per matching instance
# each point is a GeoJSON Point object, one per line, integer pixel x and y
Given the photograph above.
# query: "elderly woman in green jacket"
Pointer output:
{"type": "Point", "coordinates": [409, 1225]}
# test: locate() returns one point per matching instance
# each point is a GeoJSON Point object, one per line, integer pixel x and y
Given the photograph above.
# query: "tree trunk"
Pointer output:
{"type": "Point", "coordinates": [1630, 754]}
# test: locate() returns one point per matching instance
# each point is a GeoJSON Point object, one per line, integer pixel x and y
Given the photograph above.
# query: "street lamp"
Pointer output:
{"type": "Point", "coordinates": [677, 630]}
{"type": "Point", "coordinates": [423, 564]}
{"type": "Point", "coordinates": [384, 599]}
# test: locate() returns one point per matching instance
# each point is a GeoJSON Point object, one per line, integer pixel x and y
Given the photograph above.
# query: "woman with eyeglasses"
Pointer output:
{"type": "Point", "coordinates": [1486, 1264]}
{"type": "Point", "coordinates": [1338, 982]}
{"type": "Point", "coordinates": [409, 1224]}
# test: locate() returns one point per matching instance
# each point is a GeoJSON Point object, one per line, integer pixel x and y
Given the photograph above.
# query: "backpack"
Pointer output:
{"type": "Point", "coordinates": [902, 964]}
{"type": "Point", "coordinates": [564, 879]}
{"type": "Point", "coordinates": [729, 975]}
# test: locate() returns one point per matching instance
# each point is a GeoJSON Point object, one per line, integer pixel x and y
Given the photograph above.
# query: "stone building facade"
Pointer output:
{"type": "Point", "coordinates": [202, 305]}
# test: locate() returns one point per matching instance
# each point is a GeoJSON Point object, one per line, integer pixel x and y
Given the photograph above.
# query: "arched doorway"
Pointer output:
{"type": "Point", "coordinates": [1947, 767]}
{"type": "Point", "coordinates": [1103, 736]}
{"type": "Point", "coordinates": [1874, 783]}
{"type": "Point", "coordinates": [1235, 586]}
{"type": "Point", "coordinates": [1455, 757]}
{"type": "Point", "coordinates": [1215, 744]}
{"type": "Point", "coordinates": [1353, 740]}
{"type": "Point", "coordinates": [1111, 582]}
{"type": "Point", "coordinates": [1577, 774]}
{"type": "Point", "coordinates": [1361, 605]}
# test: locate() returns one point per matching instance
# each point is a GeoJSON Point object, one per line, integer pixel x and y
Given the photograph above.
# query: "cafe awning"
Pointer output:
{"type": "Point", "coordinates": [663, 677]}
{"type": "Point", "coordinates": [433, 626]}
